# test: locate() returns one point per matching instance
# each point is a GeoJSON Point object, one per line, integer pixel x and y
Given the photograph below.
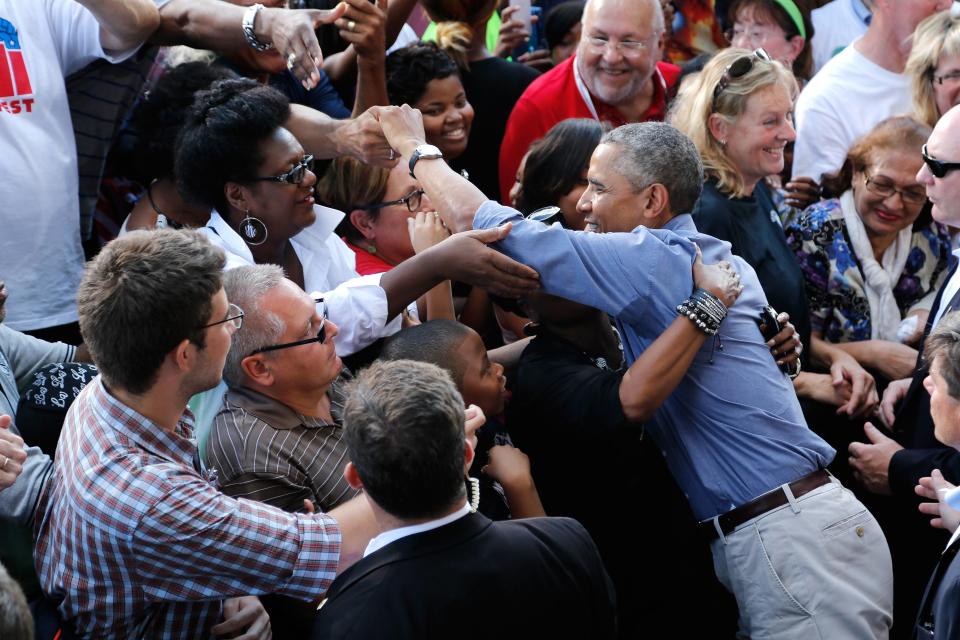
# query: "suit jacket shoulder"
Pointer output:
{"type": "Point", "coordinates": [474, 578]}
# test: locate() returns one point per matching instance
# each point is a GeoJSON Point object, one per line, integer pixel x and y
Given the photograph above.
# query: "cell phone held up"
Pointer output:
{"type": "Point", "coordinates": [769, 327]}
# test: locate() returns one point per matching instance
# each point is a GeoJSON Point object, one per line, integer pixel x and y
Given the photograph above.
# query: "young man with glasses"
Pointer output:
{"type": "Point", "coordinates": [616, 76]}
{"type": "Point", "coordinates": [134, 538]}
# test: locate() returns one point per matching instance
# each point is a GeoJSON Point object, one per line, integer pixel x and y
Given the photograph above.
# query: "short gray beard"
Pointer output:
{"type": "Point", "coordinates": [613, 98]}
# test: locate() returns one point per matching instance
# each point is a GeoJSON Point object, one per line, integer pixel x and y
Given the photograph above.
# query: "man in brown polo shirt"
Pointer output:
{"type": "Point", "coordinates": [278, 437]}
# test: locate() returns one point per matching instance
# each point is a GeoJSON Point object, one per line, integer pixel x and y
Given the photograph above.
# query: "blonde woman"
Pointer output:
{"type": "Point", "coordinates": [739, 113]}
{"type": "Point", "coordinates": [934, 65]}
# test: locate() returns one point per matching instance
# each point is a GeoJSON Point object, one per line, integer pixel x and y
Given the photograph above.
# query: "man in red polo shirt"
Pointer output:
{"type": "Point", "coordinates": [616, 77]}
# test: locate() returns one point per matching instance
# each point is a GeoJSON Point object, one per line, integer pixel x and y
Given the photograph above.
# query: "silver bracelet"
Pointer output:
{"type": "Point", "coordinates": [249, 34]}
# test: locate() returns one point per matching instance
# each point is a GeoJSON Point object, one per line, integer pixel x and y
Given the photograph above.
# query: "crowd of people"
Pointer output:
{"type": "Point", "coordinates": [436, 318]}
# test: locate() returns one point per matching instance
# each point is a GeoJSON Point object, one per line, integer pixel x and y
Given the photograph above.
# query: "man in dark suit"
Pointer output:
{"type": "Point", "coordinates": [884, 465]}
{"type": "Point", "coordinates": [939, 616]}
{"type": "Point", "coordinates": [893, 465]}
{"type": "Point", "coordinates": [437, 569]}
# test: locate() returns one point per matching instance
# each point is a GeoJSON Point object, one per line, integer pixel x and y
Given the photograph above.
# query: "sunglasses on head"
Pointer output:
{"type": "Point", "coordinates": [737, 69]}
{"type": "Point", "coordinates": [938, 168]}
{"type": "Point", "coordinates": [320, 337]}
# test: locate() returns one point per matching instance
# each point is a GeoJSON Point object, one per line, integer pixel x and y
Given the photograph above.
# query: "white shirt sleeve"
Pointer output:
{"type": "Point", "coordinates": [359, 309]}
{"type": "Point", "coordinates": [76, 35]}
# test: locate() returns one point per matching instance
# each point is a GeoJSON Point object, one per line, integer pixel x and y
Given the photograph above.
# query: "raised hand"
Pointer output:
{"type": "Point", "coordinates": [293, 34]}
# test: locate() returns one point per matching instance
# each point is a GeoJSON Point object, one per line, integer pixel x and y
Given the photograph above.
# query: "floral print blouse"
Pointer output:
{"type": "Point", "coordinates": [839, 310]}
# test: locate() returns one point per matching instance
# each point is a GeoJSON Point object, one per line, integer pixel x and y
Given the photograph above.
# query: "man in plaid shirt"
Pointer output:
{"type": "Point", "coordinates": [133, 539]}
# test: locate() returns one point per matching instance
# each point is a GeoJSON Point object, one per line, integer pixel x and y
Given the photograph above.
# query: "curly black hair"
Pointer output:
{"type": "Point", "coordinates": [220, 141]}
{"type": "Point", "coordinates": [160, 115]}
{"type": "Point", "coordinates": [411, 68]}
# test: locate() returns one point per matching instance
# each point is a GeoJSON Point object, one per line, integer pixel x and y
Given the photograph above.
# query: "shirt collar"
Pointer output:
{"type": "Point", "coordinates": [232, 241]}
{"type": "Point", "coordinates": [278, 415]}
{"type": "Point", "coordinates": [179, 447]}
{"type": "Point", "coordinates": [391, 536]}
{"type": "Point", "coordinates": [682, 222]}
{"type": "Point", "coordinates": [327, 220]}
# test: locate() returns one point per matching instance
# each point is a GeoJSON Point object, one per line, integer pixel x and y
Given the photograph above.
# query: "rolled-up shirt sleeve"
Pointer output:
{"type": "Point", "coordinates": [623, 274]}
{"type": "Point", "coordinates": [195, 543]}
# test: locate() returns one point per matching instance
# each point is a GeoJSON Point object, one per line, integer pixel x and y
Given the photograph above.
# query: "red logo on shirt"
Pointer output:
{"type": "Point", "coordinates": [14, 79]}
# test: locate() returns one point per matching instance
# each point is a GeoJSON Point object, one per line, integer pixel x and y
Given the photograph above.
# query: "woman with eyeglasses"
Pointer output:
{"type": "Point", "coordinates": [782, 28]}
{"type": "Point", "coordinates": [872, 257]}
{"type": "Point", "coordinates": [739, 113]}
{"type": "Point", "coordinates": [934, 65]}
{"type": "Point", "coordinates": [378, 203]}
{"type": "Point", "coordinates": [389, 220]}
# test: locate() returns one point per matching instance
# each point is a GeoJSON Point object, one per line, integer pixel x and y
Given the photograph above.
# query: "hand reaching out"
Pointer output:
{"type": "Point", "coordinates": [513, 33]}
{"type": "Point", "coordinates": [363, 24]}
{"type": "Point", "coordinates": [934, 487]}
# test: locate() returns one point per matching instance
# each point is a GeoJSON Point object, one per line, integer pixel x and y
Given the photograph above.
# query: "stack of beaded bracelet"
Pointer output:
{"type": "Point", "coordinates": [705, 310]}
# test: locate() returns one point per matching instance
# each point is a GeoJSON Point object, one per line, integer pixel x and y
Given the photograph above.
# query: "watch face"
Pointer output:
{"type": "Point", "coordinates": [429, 151]}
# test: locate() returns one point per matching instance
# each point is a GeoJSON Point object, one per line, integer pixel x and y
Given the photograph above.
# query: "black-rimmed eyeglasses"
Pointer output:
{"type": "Point", "coordinates": [411, 200]}
{"type": "Point", "coordinates": [320, 337]}
{"type": "Point", "coordinates": [295, 176]}
{"type": "Point", "coordinates": [737, 69]}
{"type": "Point", "coordinates": [938, 168]}
{"type": "Point", "coordinates": [234, 316]}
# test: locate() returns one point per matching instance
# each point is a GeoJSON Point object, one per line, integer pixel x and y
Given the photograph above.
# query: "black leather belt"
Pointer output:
{"type": "Point", "coordinates": [767, 502]}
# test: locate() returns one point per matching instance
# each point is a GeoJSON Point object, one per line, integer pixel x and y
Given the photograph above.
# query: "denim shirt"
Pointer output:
{"type": "Point", "coordinates": [733, 429]}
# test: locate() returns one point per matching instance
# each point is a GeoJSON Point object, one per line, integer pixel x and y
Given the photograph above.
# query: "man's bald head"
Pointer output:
{"type": "Point", "coordinates": [944, 192]}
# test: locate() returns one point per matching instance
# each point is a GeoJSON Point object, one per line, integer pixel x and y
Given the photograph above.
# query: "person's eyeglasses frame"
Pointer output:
{"type": "Point", "coordinates": [761, 36]}
{"type": "Point", "coordinates": [406, 200]}
{"type": "Point", "coordinates": [626, 48]}
{"type": "Point", "coordinates": [234, 315]}
{"type": "Point", "coordinates": [938, 168]}
{"type": "Point", "coordinates": [888, 191]}
{"type": "Point", "coordinates": [737, 69]}
{"type": "Point", "coordinates": [302, 167]}
{"type": "Point", "coordinates": [321, 336]}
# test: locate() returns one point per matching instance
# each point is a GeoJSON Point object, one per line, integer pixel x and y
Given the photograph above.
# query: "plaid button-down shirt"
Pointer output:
{"type": "Point", "coordinates": [138, 543]}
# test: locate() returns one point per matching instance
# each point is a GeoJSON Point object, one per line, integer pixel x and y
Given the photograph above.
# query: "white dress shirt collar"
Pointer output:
{"type": "Point", "coordinates": [387, 537]}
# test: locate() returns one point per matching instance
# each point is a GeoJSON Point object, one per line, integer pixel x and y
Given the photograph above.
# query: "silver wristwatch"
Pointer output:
{"type": "Point", "coordinates": [249, 20]}
{"type": "Point", "coordinates": [423, 152]}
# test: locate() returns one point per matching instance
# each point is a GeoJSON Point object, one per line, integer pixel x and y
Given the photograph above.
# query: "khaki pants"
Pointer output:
{"type": "Point", "coordinates": [816, 568]}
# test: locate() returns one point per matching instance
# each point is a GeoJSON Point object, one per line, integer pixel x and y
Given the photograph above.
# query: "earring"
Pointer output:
{"type": "Point", "coordinates": [253, 230]}
{"type": "Point", "coordinates": [371, 248]}
{"type": "Point", "coordinates": [723, 143]}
